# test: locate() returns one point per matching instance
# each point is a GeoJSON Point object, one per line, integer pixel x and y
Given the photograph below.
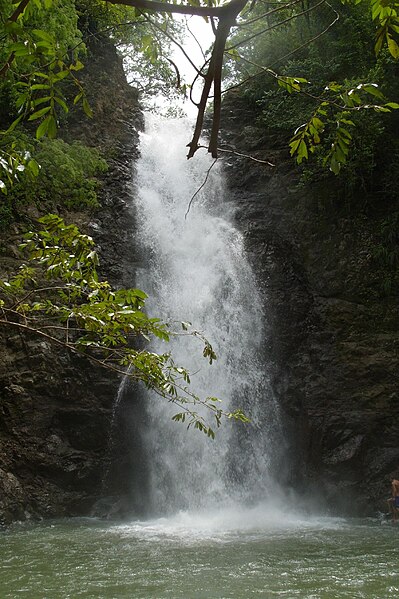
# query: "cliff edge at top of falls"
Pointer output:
{"type": "Point", "coordinates": [56, 408]}
{"type": "Point", "coordinates": [332, 337]}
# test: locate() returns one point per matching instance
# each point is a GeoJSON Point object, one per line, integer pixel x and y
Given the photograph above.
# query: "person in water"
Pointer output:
{"type": "Point", "coordinates": [393, 502]}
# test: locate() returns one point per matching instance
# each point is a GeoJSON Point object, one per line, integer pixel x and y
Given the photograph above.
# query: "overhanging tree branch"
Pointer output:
{"type": "Point", "coordinates": [181, 9]}
{"type": "Point", "coordinates": [227, 16]}
{"type": "Point", "coordinates": [214, 75]}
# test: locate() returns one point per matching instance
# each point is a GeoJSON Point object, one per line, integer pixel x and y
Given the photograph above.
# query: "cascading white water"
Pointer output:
{"type": "Point", "coordinates": [196, 270]}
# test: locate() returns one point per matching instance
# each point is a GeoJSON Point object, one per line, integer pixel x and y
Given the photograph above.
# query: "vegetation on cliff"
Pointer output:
{"type": "Point", "coordinates": [43, 43]}
{"type": "Point", "coordinates": [338, 72]}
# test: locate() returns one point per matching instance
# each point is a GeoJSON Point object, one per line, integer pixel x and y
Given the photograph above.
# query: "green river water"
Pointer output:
{"type": "Point", "coordinates": [220, 556]}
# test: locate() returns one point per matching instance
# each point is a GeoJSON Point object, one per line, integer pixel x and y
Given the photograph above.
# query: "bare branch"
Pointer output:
{"type": "Point", "coordinates": [174, 65]}
{"type": "Point", "coordinates": [195, 39]}
{"type": "Point", "coordinates": [170, 37]}
{"type": "Point", "coordinates": [248, 156]}
{"type": "Point", "coordinates": [182, 9]}
{"type": "Point", "coordinates": [18, 11]}
{"type": "Point", "coordinates": [214, 75]}
{"type": "Point", "coordinates": [276, 25]}
{"type": "Point", "coordinates": [201, 187]}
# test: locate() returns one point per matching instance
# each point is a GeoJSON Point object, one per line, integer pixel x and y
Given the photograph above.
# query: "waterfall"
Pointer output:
{"type": "Point", "coordinates": [196, 270]}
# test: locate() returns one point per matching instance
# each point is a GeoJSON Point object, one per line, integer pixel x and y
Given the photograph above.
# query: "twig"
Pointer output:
{"type": "Point", "coordinates": [276, 25]}
{"type": "Point", "coordinates": [170, 37]}
{"type": "Point", "coordinates": [246, 156]}
{"type": "Point", "coordinates": [178, 78]}
{"type": "Point", "coordinates": [195, 39]}
{"type": "Point", "coordinates": [201, 187]}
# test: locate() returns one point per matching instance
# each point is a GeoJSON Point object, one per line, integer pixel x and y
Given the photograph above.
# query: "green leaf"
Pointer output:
{"type": "Point", "coordinates": [77, 66]}
{"type": "Point", "coordinates": [45, 46]}
{"type": "Point", "coordinates": [335, 166]}
{"type": "Point", "coordinates": [37, 101]}
{"type": "Point", "coordinates": [39, 113]}
{"type": "Point", "coordinates": [302, 151]}
{"type": "Point", "coordinates": [52, 127]}
{"type": "Point", "coordinates": [373, 89]}
{"type": "Point", "coordinates": [14, 124]}
{"type": "Point", "coordinates": [42, 128]}
{"type": "Point", "coordinates": [86, 107]}
{"type": "Point", "coordinates": [78, 97]}
{"type": "Point", "coordinates": [41, 75]}
{"type": "Point", "coordinates": [34, 167]}
{"type": "Point", "coordinates": [61, 75]}
{"type": "Point", "coordinates": [43, 35]}
{"type": "Point", "coordinates": [61, 102]}
{"type": "Point", "coordinates": [380, 108]}
{"type": "Point", "coordinates": [380, 37]}
{"type": "Point", "coordinates": [393, 47]}
{"type": "Point", "coordinates": [40, 86]}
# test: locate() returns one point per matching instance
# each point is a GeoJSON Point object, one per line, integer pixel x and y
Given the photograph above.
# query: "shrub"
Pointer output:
{"type": "Point", "coordinates": [67, 178]}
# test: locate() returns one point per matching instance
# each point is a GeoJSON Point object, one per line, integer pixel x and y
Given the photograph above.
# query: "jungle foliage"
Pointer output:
{"type": "Point", "coordinates": [66, 179]}
{"type": "Point", "coordinates": [43, 46]}
{"type": "Point", "coordinates": [336, 83]}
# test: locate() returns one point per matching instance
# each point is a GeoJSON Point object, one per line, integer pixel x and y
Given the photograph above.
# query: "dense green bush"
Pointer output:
{"type": "Point", "coordinates": [67, 175]}
{"type": "Point", "coordinates": [67, 179]}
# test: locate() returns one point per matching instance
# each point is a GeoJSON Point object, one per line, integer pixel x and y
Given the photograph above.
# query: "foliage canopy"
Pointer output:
{"type": "Point", "coordinates": [43, 44]}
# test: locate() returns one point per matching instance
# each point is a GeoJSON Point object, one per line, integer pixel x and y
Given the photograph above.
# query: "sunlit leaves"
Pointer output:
{"type": "Point", "coordinates": [291, 84]}
{"type": "Point", "coordinates": [45, 64]}
{"type": "Point", "coordinates": [208, 352]}
{"type": "Point", "coordinates": [306, 137]}
{"type": "Point", "coordinates": [337, 156]}
{"type": "Point", "coordinates": [385, 15]}
{"type": "Point", "coordinates": [15, 162]}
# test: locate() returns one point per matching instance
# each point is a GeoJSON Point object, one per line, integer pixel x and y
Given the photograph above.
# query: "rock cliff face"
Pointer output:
{"type": "Point", "coordinates": [55, 408]}
{"type": "Point", "coordinates": [333, 333]}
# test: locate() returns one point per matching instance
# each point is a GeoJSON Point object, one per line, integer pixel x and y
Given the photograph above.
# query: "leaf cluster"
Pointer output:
{"type": "Point", "coordinates": [326, 91]}
{"type": "Point", "coordinates": [78, 311]}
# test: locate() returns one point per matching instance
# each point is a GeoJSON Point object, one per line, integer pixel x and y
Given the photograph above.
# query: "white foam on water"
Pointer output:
{"type": "Point", "coordinates": [228, 524]}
